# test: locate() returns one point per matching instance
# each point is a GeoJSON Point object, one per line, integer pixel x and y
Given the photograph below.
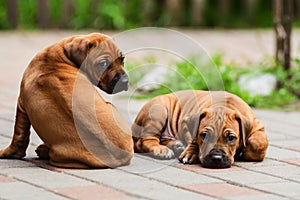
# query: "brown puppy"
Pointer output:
{"type": "Point", "coordinates": [57, 97]}
{"type": "Point", "coordinates": [200, 126]}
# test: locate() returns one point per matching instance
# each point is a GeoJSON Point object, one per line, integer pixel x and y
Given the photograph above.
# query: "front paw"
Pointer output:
{"type": "Point", "coordinates": [43, 151]}
{"type": "Point", "coordinates": [178, 148]}
{"type": "Point", "coordinates": [11, 154]}
{"type": "Point", "coordinates": [189, 157]}
{"type": "Point", "coordinates": [163, 152]}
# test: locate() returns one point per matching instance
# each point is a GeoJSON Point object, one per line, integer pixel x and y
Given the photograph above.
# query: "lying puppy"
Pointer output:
{"type": "Point", "coordinates": [212, 128]}
{"type": "Point", "coordinates": [57, 97]}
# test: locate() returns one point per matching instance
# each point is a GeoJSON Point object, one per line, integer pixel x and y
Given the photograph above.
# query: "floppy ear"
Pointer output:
{"type": "Point", "coordinates": [242, 126]}
{"type": "Point", "coordinates": [193, 122]}
{"type": "Point", "coordinates": [77, 49]}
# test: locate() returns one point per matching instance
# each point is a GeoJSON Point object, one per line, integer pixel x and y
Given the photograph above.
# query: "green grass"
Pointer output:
{"type": "Point", "coordinates": [193, 74]}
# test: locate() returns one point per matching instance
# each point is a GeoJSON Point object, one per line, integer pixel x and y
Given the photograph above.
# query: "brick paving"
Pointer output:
{"type": "Point", "coordinates": [277, 177]}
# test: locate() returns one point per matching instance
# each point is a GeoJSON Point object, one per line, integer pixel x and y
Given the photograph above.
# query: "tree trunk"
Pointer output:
{"type": "Point", "coordinates": [250, 8]}
{"type": "Point", "coordinates": [12, 13]}
{"type": "Point", "coordinates": [197, 10]}
{"type": "Point", "coordinates": [68, 10]}
{"type": "Point", "coordinates": [43, 14]}
{"type": "Point", "coordinates": [173, 9]}
{"type": "Point", "coordinates": [224, 12]}
{"type": "Point", "coordinates": [283, 10]}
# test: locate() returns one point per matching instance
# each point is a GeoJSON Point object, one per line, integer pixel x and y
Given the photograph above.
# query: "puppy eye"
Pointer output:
{"type": "Point", "coordinates": [231, 138]}
{"type": "Point", "coordinates": [122, 60]}
{"type": "Point", "coordinates": [103, 64]}
{"type": "Point", "coordinates": [203, 135]}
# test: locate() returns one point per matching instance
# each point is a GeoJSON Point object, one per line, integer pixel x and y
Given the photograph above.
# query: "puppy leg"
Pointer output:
{"type": "Point", "coordinates": [256, 147]}
{"type": "Point", "coordinates": [176, 145]}
{"type": "Point", "coordinates": [147, 131]}
{"type": "Point", "coordinates": [20, 140]}
{"type": "Point", "coordinates": [152, 146]}
{"type": "Point", "coordinates": [190, 155]}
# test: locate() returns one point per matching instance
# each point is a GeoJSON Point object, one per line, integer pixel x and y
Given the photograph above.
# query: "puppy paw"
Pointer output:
{"type": "Point", "coordinates": [163, 152]}
{"type": "Point", "coordinates": [188, 157]}
{"type": "Point", "coordinates": [11, 154]}
{"type": "Point", "coordinates": [178, 148]}
{"type": "Point", "coordinates": [42, 151]}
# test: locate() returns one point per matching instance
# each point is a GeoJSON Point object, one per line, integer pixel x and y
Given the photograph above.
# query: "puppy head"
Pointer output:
{"type": "Point", "coordinates": [100, 59]}
{"type": "Point", "coordinates": [219, 134]}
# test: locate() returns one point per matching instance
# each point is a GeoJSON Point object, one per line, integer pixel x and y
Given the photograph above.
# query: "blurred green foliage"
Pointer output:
{"type": "Point", "coordinates": [237, 15]}
{"type": "Point", "coordinates": [125, 14]}
{"type": "Point", "coordinates": [188, 76]}
{"type": "Point", "coordinates": [3, 21]}
{"type": "Point", "coordinates": [27, 14]}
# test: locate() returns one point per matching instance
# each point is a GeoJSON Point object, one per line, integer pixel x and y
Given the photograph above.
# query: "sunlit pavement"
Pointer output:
{"type": "Point", "coordinates": [277, 177]}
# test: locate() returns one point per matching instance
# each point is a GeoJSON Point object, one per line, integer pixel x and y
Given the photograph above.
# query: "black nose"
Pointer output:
{"type": "Point", "coordinates": [216, 157]}
{"type": "Point", "coordinates": [124, 80]}
{"type": "Point", "coordinates": [120, 85]}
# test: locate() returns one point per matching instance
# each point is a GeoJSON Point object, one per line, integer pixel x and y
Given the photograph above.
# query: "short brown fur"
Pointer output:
{"type": "Point", "coordinates": [79, 128]}
{"type": "Point", "coordinates": [199, 126]}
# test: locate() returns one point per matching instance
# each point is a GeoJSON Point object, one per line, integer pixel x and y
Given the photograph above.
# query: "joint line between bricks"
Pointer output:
{"type": "Point", "coordinates": [37, 186]}
{"type": "Point", "coordinates": [246, 186]}
{"type": "Point", "coordinates": [114, 188]}
{"type": "Point", "coordinates": [167, 183]}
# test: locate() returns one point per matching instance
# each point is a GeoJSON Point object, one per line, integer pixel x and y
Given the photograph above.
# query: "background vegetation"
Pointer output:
{"type": "Point", "coordinates": [125, 14]}
{"type": "Point", "coordinates": [285, 96]}
{"type": "Point", "coordinates": [128, 14]}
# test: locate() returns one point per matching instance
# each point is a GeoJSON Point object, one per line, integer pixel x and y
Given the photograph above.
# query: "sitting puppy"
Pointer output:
{"type": "Point", "coordinates": [58, 98]}
{"type": "Point", "coordinates": [212, 128]}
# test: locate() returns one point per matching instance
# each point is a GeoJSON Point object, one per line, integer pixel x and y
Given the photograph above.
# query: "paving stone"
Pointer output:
{"type": "Point", "coordinates": [257, 197]}
{"type": "Point", "coordinates": [164, 173]}
{"type": "Point", "coordinates": [6, 128]}
{"type": "Point", "coordinates": [198, 169]}
{"type": "Point", "coordinates": [9, 99]}
{"type": "Point", "coordinates": [45, 178]}
{"type": "Point", "coordinates": [34, 138]}
{"type": "Point", "coordinates": [276, 135]}
{"type": "Point", "coordinates": [6, 179]}
{"type": "Point", "coordinates": [163, 162]}
{"type": "Point", "coordinates": [176, 176]}
{"type": "Point", "coordinates": [143, 165]}
{"type": "Point", "coordinates": [24, 191]}
{"type": "Point", "coordinates": [281, 154]}
{"type": "Point", "coordinates": [265, 163]}
{"type": "Point", "coordinates": [293, 161]}
{"type": "Point", "coordinates": [244, 177]}
{"type": "Point", "coordinates": [284, 171]}
{"type": "Point", "coordinates": [7, 114]}
{"type": "Point", "coordinates": [4, 141]}
{"type": "Point", "coordinates": [287, 144]}
{"type": "Point", "coordinates": [13, 164]}
{"type": "Point", "coordinates": [221, 190]}
{"type": "Point", "coordinates": [294, 148]}
{"type": "Point", "coordinates": [297, 197]}
{"type": "Point", "coordinates": [137, 185]}
{"type": "Point", "coordinates": [30, 152]}
{"type": "Point", "coordinates": [45, 165]}
{"type": "Point", "coordinates": [273, 125]}
{"type": "Point", "coordinates": [285, 188]}
{"type": "Point", "coordinates": [93, 192]}
{"type": "Point", "coordinates": [280, 117]}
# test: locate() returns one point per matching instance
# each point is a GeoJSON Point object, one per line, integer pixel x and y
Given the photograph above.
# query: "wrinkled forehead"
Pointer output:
{"type": "Point", "coordinates": [106, 49]}
{"type": "Point", "coordinates": [217, 119]}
